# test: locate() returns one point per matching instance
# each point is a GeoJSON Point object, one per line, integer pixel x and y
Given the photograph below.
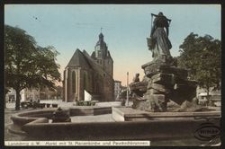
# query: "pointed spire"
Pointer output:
{"type": "Point", "coordinates": [101, 37]}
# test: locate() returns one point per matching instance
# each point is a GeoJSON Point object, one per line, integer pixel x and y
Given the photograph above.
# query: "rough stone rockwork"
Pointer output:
{"type": "Point", "coordinates": [164, 82]}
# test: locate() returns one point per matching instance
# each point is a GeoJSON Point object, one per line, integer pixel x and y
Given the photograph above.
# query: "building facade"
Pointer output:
{"type": "Point", "coordinates": [117, 89]}
{"type": "Point", "coordinates": [92, 74]}
{"type": "Point", "coordinates": [25, 94]}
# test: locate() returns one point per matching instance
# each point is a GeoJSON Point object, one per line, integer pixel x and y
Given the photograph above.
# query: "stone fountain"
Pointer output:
{"type": "Point", "coordinates": [163, 83]}
{"type": "Point", "coordinates": [163, 80]}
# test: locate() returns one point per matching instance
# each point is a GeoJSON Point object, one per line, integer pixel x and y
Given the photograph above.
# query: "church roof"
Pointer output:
{"type": "Point", "coordinates": [79, 60]}
{"type": "Point", "coordinates": [95, 66]}
{"type": "Point", "coordinates": [93, 55]}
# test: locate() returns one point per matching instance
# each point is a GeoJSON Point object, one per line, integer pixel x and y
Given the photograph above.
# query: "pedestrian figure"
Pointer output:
{"type": "Point", "coordinates": [136, 78]}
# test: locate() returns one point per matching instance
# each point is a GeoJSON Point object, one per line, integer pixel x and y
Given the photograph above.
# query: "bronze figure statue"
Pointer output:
{"type": "Point", "coordinates": [159, 42]}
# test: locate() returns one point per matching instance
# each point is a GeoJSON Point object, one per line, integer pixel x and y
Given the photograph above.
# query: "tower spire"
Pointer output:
{"type": "Point", "coordinates": [101, 37]}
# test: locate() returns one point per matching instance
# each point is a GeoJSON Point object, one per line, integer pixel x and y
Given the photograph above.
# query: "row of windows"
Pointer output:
{"type": "Point", "coordinates": [86, 80]}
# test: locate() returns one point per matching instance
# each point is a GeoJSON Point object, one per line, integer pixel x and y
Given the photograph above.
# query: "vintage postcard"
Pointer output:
{"type": "Point", "coordinates": [112, 74]}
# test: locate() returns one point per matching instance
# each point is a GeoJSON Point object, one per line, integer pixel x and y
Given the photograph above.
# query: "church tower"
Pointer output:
{"type": "Point", "coordinates": [92, 74]}
{"type": "Point", "coordinates": [102, 56]}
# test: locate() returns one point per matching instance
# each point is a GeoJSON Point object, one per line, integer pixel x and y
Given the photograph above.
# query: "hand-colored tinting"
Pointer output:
{"type": "Point", "coordinates": [125, 28]}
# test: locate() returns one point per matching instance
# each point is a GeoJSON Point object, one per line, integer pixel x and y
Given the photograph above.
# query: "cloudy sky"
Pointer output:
{"type": "Point", "coordinates": [125, 29]}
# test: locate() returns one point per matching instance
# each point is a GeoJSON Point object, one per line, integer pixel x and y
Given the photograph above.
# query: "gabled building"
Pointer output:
{"type": "Point", "coordinates": [93, 74]}
{"type": "Point", "coordinates": [26, 94]}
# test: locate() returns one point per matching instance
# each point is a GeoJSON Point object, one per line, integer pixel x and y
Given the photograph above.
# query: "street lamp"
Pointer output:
{"type": "Point", "coordinates": [127, 103]}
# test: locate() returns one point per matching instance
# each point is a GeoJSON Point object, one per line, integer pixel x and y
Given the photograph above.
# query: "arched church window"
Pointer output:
{"type": "Point", "coordinates": [85, 81]}
{"type": "Point", "coordinates": [73, 82]}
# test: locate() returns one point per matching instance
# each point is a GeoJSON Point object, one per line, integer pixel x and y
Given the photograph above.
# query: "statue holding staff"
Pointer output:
{"type": "Point", "coordinates": [159, 42]}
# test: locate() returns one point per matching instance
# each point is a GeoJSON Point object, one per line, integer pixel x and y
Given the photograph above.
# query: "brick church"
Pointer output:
{"type": "Point", "coordinates": [93, 74]}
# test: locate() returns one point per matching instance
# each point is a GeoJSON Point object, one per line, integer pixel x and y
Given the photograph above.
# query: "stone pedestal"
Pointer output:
{"type": "Point", "coordinates": [165, 82]}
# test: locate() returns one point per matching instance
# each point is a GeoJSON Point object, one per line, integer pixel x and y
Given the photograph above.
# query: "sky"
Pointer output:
{"type": "Point", "coordinates": [125, 29]}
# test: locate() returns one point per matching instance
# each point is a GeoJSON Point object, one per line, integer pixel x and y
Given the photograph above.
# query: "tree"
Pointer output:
{"type": "Point", "coordinates": [26, 64]}
{"type": "Point", "coordinates": [59, 91]}
{"type": "Point", "coordinates": [44, 68]}
{"type": "Point", "coordinates": [202, 57]}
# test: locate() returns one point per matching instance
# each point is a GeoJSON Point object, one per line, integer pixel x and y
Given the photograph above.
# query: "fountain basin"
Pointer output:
{"type": "Point", "coordinates": [36, 125]}
{"type": "Point", "coordinates": [127, 130]}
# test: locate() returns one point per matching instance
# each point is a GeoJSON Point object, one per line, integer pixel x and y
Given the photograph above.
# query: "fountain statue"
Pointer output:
{"type": "Point", "coordinates": [163, 80]}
